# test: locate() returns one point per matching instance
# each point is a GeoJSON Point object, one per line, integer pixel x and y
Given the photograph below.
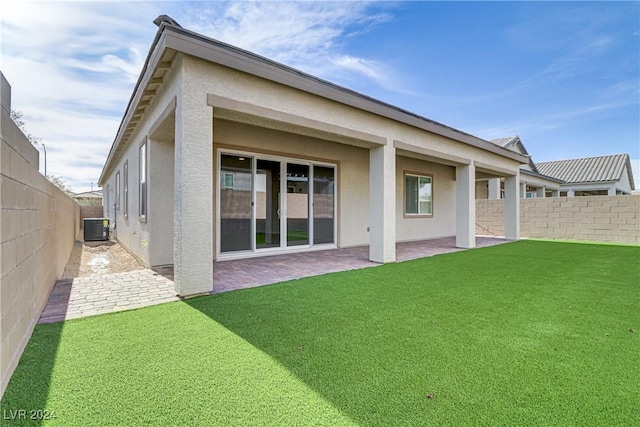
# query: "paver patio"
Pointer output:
{"type": "Point", "coordinates": [100, 294]}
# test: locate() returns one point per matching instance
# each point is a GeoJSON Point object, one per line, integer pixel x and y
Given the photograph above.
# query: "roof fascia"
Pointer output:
{"type": "Point", "coordinates": [627, 163]}
{"type": "Point", "coordinates": [539, 175]}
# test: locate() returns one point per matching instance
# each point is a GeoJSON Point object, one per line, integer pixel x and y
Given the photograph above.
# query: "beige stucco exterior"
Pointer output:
{"type": "Point", "coordinates": [209, 98]}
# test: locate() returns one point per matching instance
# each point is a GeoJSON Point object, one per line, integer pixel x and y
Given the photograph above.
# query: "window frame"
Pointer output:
{"type": "Point", "coordinates": [418, 175]}
{"type": "Point", "coordinates": [226, 185]}
{"type": "Point", "coordinates": [117, 191]}
{"type": "Point", "coordinates": [143, 168]}
{"type": "Point", "coordinates": [125, 189]}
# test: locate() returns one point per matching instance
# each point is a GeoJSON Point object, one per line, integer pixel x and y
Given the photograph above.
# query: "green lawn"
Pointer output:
{"type": "Point", "coordinates": [292, 236]}
{"type": "Point", "coordinates": [528, 333]}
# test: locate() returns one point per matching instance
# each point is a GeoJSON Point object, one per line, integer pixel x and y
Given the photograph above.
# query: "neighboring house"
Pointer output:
{"type": "Point", "coordinates": [592, 176]}
{"type": "Point", "coordinates": [89, 198]}
{"type": "Point", "coordinates": [225, 154]}
{"type": "Point", "coordinates": [533, 183]}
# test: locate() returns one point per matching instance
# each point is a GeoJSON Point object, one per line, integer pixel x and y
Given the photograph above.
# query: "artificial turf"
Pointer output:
{"type": "Point", "coordinates": [526, 333]}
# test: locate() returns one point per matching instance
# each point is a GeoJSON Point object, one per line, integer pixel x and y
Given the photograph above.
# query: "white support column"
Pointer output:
{"type": "Point", "coordinates": [523, 190]}
{"type": "Point", "coordinates": [511, 208]}
{"type": "Point", "coordinates": [541, 192]}
{"type": "Point", "coordinates": [611, 191]}
{"type": "Point", "coordinates": [382, 204]}
{"type": "Point", "coordinates": [466, 206]}
{"type": "Point", "coordinates": [193, 202]}
{"type": "Point", "coordinates": [494, 188]}
{"type": "Point", "coordinates": [571, 193]}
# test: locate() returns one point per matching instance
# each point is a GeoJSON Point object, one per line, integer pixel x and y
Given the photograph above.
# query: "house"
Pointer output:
{"type": "Point", "coordinates": [533, 183]}
{"type": "Point", "coordinates": [88, 198]}
{"type": "Point", "coordinates": [224, 154]}
{"type": "Point", "coordinates": [592, 176]}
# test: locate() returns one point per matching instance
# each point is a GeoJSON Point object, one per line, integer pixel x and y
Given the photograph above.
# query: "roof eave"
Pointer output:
{"type": "Point", "coordinates": [539, 175]}
{"type": "Point", "coordinates": [629, 173]}
{"type": "Point", "coordinates": [183, 40]}
{"type": "Point", "coordinates": [155, 52]}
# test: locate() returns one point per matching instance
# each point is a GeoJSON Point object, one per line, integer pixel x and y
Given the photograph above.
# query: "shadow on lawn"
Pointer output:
{"type": "Point", "coordinates": [25, 399]}
{"type": "Point", "coordinates": [347, 352]}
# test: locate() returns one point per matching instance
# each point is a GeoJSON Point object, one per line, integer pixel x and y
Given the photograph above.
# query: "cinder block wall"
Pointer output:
{"type": "Point", "coordinates": [90, 212]}
{"type": "Point", "coordinates": [38, 224]}
{"type": "Point", "coordinates": [593, 218]}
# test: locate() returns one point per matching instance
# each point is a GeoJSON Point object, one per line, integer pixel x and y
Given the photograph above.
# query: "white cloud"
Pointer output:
{"type": "Point", "coordinates": [305, 35]}
{"type": "Point", "coordinates": [73, 65]}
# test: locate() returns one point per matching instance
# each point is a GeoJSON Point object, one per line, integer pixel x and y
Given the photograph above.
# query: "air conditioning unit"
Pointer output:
{"type": "Point", "coordinates": [96, 229]}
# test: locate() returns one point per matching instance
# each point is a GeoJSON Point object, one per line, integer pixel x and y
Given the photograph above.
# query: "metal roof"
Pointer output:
{"type": "Point", "coordinates": [539, 175]}
{"type": "Point", "coordinates": [89, 194]}
{"type": "Point", "coordinates": [589, 169]}
{"type": "Point", "coordinates": [515, 144]}
{"type": "Point", "coordinates": [506, 141]}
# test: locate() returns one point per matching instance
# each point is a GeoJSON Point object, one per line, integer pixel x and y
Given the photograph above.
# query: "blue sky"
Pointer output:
{"type": "Point", "coordinates": [564, 76]}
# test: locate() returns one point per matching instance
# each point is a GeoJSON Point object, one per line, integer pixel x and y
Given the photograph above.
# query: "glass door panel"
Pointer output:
{"type": "Point", "coordinates": [267, 185]}
{"type": "Point", "coordinates": [235, 203]}
{"type": "Point", "coordinates": [323, 204]}
{"type": "Point", "coordinates": [297, 204]}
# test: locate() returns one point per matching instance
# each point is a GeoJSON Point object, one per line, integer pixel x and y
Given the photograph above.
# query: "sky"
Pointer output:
{"type": "Point", "coordinates": [564, 76]}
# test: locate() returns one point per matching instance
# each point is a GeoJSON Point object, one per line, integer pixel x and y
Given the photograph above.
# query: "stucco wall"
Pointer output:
{"type": "Point", "coordinates": [443, 221]}
{"type": "Point", "coordinates": [482, 190]}
{"type": "Point", "coordinates": [353, 168]}
{"type": "Point", "coordinates": [593, 218]}
{"type": "Point", "coordinates": [203, 78]}
{"type": "Point", "coordinates": [131, 232]}
{"type": "Point", "coordinates": [39, 227]}
{"type": "Point", "coordinates": [353, 180]}
{"type": "Point", "coordinates": [222, 81]}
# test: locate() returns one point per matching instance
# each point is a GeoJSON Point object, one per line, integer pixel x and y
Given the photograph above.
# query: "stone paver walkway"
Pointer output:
{"type": "Point", "coordinates": [107, 293]}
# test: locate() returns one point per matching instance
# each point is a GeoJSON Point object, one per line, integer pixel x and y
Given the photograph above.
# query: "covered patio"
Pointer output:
{"type": "Point", "coordinates": [249, 273]}
{"type": "Point", "coordinates": [108, 293]}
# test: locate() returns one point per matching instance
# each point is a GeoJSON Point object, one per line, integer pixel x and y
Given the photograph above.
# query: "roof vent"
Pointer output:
{"type": "Point", "coordinates": [167, 20]}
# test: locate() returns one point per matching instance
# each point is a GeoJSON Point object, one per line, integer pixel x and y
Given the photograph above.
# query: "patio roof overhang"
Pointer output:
{"type": "Point", "coordinates": [242, 112]}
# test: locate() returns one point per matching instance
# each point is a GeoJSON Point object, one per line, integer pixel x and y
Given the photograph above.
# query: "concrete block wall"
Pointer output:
{"type": "Point", "coordinates": [38, 224]}
{"type": "Point", "coordinates": [90, 212]}
{"type": "Point", "coordinates": [590, 218]}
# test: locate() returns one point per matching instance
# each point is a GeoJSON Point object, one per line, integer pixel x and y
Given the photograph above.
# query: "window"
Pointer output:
{"type": "Point", "coordinates": [228, 181]}
{"type": "Point", "coordinates": [118, 191]}
{"type": "Point", "coordinates": [125, 190]}
{"type": "Point", "coordinates": [418, 200]}
{"type": "Point", "coordinates": [142, 207]}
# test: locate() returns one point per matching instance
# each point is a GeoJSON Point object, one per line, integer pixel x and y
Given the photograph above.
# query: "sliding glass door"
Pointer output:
{"type": "Point", "coordinates": [323, 204]}
{"type": "Point", "coordinates": [268, 206]}
{"type": "Point", "coordinates": [297, 204]}
{"type": "Point", "coordinates": [235, 203]}
{"type": "Point", "coordinates": [260, 209]}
